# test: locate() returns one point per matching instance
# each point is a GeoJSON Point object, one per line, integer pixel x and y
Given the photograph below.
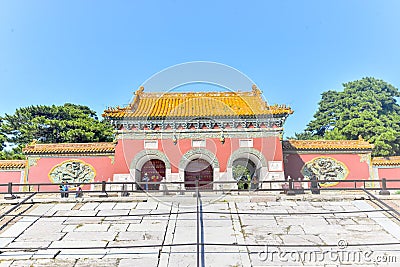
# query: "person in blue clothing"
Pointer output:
{"type": "Point", "coordinates": [64, 189]}
{"type": "Point", "coordinates": [146, 179]}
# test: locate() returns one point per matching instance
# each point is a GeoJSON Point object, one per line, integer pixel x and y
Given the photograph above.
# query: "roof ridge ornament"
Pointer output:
{"type": "Point", "coordinates": [255, 90]}
{"type": "Point", "coordinates": [139, 92]}
{"type": "Point", "coordinates": [32, 144]}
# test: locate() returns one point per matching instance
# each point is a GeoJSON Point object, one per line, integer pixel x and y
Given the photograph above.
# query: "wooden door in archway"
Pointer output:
{"type": "Point", "coordinates": [154, 169]}
{"type": "Point", "coordinates": [199, 169]}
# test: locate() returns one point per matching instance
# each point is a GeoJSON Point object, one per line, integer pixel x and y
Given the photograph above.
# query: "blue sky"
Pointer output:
{"type": "Point", "coordinates": [97, 53]}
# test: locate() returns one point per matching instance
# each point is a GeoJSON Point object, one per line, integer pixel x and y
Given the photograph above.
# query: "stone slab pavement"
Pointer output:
{"type": "Point", "coordinates": [232, 232]}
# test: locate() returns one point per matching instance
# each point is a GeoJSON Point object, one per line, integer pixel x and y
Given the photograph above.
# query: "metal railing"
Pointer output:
{"type": "Point", "coordinates": [200, 243]}
{"type": "Point", "coordinates": [289, 187]}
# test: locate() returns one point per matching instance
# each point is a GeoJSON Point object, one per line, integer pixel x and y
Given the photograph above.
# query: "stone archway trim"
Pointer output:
{"type": "Point", "coordinates": [240, 152]}
{"type": "Point", "coordinates": [153, 154]}
{"type": "Point", "coordinates": [188, 156]}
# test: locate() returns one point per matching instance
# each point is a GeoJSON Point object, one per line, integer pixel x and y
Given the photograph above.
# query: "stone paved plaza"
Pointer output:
{"type": "Point", "coordinates": [263, 230]}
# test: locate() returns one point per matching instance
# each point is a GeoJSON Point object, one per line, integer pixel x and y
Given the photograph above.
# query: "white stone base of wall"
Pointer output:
{"type": "Point", "coordinates": [274, 176]}
{"type": "Point", "coordinates": [123, 177]}
{"type": "Point", "coordinates": [226, 177]}
{"type": "Point", "coordinates": [218, 176]}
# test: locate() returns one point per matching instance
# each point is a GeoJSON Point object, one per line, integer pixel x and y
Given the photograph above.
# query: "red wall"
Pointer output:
{"type": "Point", "coordinates": [127, 149]}
{"type": "Point", "coordinates": [390, 173]}
{"type": "Point", "coordinates": [39, 172]}
{"type": "Point", "coordinates": [10, 176]}
{"type": "Point", "coordinates": [357, 170]}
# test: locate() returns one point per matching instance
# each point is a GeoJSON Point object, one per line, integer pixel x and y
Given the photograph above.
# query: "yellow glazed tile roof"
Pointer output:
{"type": "Point", "coordinates": [196, 104]}
{"type": "Point", "coordinates": [12, 164]}
{"type": "Point", "coordinates": [382, 161]}
{"type": "Point", "coordinates": [63, 148]}
{"type": "Point", "coordinates": [326, 144]}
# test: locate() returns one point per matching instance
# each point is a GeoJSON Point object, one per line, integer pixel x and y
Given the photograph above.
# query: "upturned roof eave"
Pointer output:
{"type": "Point", "coordinates": [228, 116]}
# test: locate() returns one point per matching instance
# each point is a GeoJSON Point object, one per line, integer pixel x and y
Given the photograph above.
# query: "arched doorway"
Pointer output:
{"type": "Point", "coordinates": [244, 171]}
{"type": "Point", "coordinates": [199, 169]}
{"type": "Point", "coordinates": [152, 171]}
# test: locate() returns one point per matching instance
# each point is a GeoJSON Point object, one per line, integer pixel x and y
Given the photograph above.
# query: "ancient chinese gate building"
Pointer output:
{"type": "Point", "coordinates": [181, 136]}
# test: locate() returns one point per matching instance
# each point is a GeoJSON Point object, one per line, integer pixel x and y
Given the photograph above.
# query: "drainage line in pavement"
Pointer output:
{"type": "Point", "coordinates": [292, 213]}
{"type": "Point", "coordinates": [200, 228]}
{"type": "Point", "coordinates": [391, 209]}
{"type": "Point", "coordinates": [7, 213]}
{"type": "Point", "coordinates": [197, 225]}
{"type": "Point", "coordinates": [111, 215]}
{"type": "Point", "coordinates": [202, 233]}
{"type": "Point", "coordinates": [16, 215]}
{"type": "Point", "coordinates": [383, 210]}
{"type": "Point", "coordinates": [16, 206]}
{"type": "Point", "coordinates": [202, 244]}
{"type": "Point", "coordinates": [165, 236]}
{"type": "Point", "coordinates": [204, 212]}
{"type": "Point", "coordinates": [301, 245]}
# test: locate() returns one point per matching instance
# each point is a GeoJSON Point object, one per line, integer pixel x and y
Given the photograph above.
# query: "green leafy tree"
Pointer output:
{"type": "Point", "coordinates": [240, 171]}
{"type": "Point", "coordinates": [242, 175]}
{"type": "Point", "coordinates": [10, 154]}
{"type": "Point", "coordinates": [366, 108]}
{"type": "Point", "coordinates": [69, 123]}
{"type": "Point", "coordinates": [2, 136]}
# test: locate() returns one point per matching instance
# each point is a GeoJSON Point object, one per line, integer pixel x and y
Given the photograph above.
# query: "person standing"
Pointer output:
{"type": "Point", "coordinates": [79, 192]}
{"type": "Point", "coordinates": [66, 188]}
{"type": "Point", "coordinates": [254, 183]}
{"type": "Point", "coordinates": [315, 187]}
{"type": "Point", "coordinates": [146, 180]}
{"type": "Point", "coordinates": [62, 192]}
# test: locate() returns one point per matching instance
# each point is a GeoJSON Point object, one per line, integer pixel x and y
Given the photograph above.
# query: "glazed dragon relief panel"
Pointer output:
{"type": "Point", "coordinates": [325, 168]}
{"type": "Point", "coordinates": [73, 172]}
